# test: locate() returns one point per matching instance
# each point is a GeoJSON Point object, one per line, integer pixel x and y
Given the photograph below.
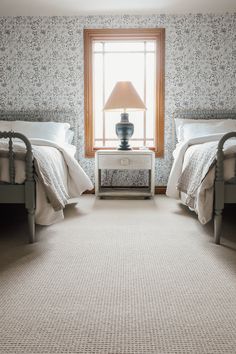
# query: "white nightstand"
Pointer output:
{"type": "Point", "coordinates": [125, 160]}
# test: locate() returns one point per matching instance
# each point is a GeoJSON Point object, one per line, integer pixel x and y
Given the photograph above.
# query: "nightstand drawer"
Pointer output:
{"type": "Point", "coordinates": [128, 161]}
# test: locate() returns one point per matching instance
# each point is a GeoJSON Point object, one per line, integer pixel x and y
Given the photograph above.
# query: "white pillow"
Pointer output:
{"type": "Point", "coordinates": [69, 136]}
{"type": "Point", "coordinates": [53, 131]}
{"type": "Point", "coordinates": [193, 128]}
{"type": "Point", "coordinates": [5, 126]}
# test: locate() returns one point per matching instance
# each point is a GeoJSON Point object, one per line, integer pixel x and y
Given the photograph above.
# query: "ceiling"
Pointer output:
{"type": "Point", "coordinates": [93, 7]}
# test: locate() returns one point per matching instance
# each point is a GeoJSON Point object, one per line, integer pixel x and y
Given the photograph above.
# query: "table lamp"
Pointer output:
{"type": "Point", "coordinates": [124, 97]}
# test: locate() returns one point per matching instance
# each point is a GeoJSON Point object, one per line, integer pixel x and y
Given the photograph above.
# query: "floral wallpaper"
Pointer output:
{"type": "Point", "coordinates": [41, 67]}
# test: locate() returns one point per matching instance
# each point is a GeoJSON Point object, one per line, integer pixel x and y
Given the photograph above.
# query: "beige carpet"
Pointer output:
{"type": "Point", "coordinates": [118, 276]}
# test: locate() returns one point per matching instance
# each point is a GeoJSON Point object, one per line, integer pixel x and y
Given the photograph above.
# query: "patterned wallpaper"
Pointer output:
{"type": "Point", "coordinates": [41, 66]}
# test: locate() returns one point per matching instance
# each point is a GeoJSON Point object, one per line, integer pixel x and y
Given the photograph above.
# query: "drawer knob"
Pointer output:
{"type": "Point", "coordinates": [124, 162]}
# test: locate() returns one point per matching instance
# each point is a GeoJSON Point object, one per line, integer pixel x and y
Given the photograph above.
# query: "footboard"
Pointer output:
{"type": "Point", "coordinates": [225, 192]}
{"type": "Point", "coordinates": [20, 193]}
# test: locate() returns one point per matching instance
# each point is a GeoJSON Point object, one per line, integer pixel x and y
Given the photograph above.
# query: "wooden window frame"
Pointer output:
{"type": "Point", "coordinates": [157, 34]}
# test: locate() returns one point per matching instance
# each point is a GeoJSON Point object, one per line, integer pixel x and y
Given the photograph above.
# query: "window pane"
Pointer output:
{"type": "Point", "coordinates": [124, 67]}
{"type": "Point", "coordinates": [150, 45]}
{"type": "Point", "coordinates": [150, 143]}
{"type": "Point", "coordinates": [98, 143]}
{"type": "Point", "coordinates": [127, 46]}
{"type": "Point", "coordinates": [97, 46]}
{"type": "Point", "coordinates": [98, 95]}
{"type": "Point", "coordinates": [137, 119]}
{"type": "Point", "coordinates": [150, 95]}
{"type": "Point", "coordinates": [111, 118]}
{"type": "Point", "coordinates": [112, 143]}
{"type": "Point", "coordinates": [136, 143]}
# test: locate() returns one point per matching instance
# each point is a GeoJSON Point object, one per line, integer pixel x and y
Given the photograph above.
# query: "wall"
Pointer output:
{"type": "Point", "coordinates": [41, 66]}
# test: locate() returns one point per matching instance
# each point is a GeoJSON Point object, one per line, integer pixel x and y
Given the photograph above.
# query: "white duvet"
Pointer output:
{"type": "Point", "coordinates": [205, 192]}
{"type": "Point", "coordinates": [71, 175]}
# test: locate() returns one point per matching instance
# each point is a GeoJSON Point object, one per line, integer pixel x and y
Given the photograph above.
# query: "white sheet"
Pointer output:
{"type": "Point", "coordinates": [204, 201]}
{"type": "Point", "coordinates": [71, 173]}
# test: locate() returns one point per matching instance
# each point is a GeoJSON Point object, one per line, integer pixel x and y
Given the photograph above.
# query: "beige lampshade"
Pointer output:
{"type": "Point", "coordinates": [124, 97]}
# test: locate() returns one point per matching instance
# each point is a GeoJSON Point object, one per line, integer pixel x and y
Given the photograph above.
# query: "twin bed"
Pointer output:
{"type": "Point", "coordinates": [37, 164]}
{"type": "Point", "coordinates": [203, 174]}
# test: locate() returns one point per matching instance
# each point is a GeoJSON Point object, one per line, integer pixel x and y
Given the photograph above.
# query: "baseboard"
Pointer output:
{"type": "Point", "coordinates": [158, 190]}
{"type": "Point", "coordinates": [92, 191]}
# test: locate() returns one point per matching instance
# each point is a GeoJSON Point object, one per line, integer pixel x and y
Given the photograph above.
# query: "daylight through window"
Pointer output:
{"type": "Point", "coordinates": [123, 58]}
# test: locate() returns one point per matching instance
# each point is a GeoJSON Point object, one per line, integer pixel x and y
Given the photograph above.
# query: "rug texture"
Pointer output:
{"type": "Point", "coordinates": [118, 277]}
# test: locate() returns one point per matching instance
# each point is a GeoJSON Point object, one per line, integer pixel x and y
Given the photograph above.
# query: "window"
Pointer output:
{"type": "Point", "coordinates": [135, 55]}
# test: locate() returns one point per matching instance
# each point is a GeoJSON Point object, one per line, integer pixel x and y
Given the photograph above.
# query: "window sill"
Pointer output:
{"type": "Point", "coordinates": [91, 153]}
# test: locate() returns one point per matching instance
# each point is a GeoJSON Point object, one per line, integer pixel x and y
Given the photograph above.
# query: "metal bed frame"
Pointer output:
{"type": "Point", "coordinates": [26, 193]}
{"type": "Point", "coordinates": [20, 193]}
{"type": "Point", "coordinates": [224, 191]}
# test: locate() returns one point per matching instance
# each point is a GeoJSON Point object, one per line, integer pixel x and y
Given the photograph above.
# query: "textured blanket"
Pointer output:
{"type": "Point", "coordinates": [200, 159]}
{"type": "Point", "coordinates": [49, 174]}
{"type": "Point", "coordinates": [58, 175]}
{"type": "Point", "coordinates": [193, 173]}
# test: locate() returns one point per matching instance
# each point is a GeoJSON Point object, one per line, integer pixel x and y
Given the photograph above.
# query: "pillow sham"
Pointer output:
{"type": "Point", "coordinates": [52, 131]}
{"type": "Point", "coordinates": [69, 136]}
{"type": "Point", "coordinates": [193, 128]}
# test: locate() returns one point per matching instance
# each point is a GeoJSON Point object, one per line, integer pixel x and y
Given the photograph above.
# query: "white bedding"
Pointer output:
{"type": "Point", "coordinates": [71, 175]}
{"type": "Point", "coordinates": [204, 196]}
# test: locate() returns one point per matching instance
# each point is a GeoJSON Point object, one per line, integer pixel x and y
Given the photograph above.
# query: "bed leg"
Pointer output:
{"type": "Point", "coordinates": [217, 225]}
{"type": "Point", "coordinates": [31, 225]}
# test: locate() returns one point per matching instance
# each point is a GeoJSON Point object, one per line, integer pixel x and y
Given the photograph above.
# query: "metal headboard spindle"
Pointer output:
{"type": "Point", "coordinates": [11, 155]}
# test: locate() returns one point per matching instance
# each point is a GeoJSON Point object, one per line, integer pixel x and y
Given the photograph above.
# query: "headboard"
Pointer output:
{"type": "Point", "coordinates": [205, 114]}
{"type": "Point", "coordinates": [44, 116]}
{"type": "Point", "coordinates": [201, 114]}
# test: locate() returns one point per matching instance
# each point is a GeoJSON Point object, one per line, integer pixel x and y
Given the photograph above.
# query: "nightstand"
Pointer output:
{"type": "Point", "coordinates": [125, 160]}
